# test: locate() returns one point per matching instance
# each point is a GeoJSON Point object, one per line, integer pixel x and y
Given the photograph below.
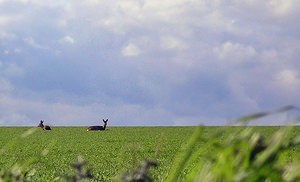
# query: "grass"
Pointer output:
{"type": "Point", "coordinates": [107, 152]}
{"type": "Point", "coordinates": [111, 152]}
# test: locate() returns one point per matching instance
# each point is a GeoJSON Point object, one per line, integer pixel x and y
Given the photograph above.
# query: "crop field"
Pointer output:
{"type": "Point", "coordinates": [109, 153]}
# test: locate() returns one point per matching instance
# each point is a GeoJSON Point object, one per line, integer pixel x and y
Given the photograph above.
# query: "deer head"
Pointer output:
{"type": "Point", "coordinates": [105, 121]}
{"type": "Point", "coordinates": [44, 127]}
{"type": "Point", "coordinates": [41, 124]}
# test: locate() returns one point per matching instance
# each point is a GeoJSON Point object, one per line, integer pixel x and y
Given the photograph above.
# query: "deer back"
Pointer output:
{"type": "Point", "coordinates": [47, 127]}
{"type": "Point", "coordinates": [94, 128]}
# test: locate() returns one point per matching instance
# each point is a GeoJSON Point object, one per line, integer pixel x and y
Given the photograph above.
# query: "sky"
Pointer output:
{"type": "Point", "coordinates": [146, 62]}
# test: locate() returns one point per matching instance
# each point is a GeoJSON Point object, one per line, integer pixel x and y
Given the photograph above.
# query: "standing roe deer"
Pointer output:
{"type": "Point", "coordinates": [95, 128]}
{"type": "Point", "coordinates": [44, 127]}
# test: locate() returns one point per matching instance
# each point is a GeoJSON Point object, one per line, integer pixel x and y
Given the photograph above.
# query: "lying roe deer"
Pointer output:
{"type": "Point", "coordinates": [44, 127]}
{"type": "Point", "coordinates": [96, 128]}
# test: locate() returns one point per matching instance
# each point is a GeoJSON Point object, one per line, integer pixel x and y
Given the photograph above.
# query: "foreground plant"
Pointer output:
{"type": "Point", "coordinates": [248, 156]}
{"type": "Point", "coordinates": [81, 172]}
{"type": "Point", "coordinates": [141, 173]}
{"type": "Point", "coordinates": [17, 173]}
{"type": "Point", "coordinates": [245, 156]}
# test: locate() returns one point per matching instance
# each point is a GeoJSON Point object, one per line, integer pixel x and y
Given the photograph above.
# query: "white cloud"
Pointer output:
{"type": "Point", "coordinates": [7, 35]}
{"type": "Point", "coordinates": [6, 86]}
{"type": "Point", "coordinates": [240, 93]}
{"type": "Point", "coordinates": [131, 6]}
{"type": "Point", "coordinates": [67, 40]}
{"type": "Point", "coordinates": [45, 3]}
{"type": "Point", "coordinates": [131, 50]}
{"type": "Point", "coordinates": [17, 50]}
{"type": "Point", "coordinates": [284, 86]}
{"type": "Point", "coordinates": [284, 7]}
{"type": "Point", "coordinates": [172, 43]}
{"type": "Point", "coordinates": [234, 52]}
{"type": "Point", "coordinates": [6, 52]}
{"type": "Point", "coordinates": [288, 79]}
{"type": "Point", "coordinates": [31, 42]}
{"type": "Point", "coordinates": [269, 56]}
{"type": "Point", "coordinates": [13, 70]}
{"type": "Point", "coordinates": [4, 19]}
{"type": "Point", "coordinates": [14, 51]}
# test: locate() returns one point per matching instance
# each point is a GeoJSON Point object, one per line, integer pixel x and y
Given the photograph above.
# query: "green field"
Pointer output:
{"type": "Point", "coordinates": [108, 153]}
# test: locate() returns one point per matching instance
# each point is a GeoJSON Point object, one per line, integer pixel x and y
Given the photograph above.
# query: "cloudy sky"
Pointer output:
{"type": "Point", "coordinates": [146, 62]}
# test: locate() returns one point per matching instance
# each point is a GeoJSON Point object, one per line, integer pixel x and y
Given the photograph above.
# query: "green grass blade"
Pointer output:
{"type": "Point", "coordinates": [183, 157]}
